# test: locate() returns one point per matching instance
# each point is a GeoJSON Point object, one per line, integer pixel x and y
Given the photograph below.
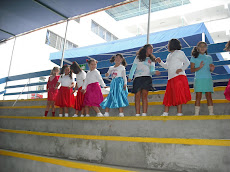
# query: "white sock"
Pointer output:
{"type": "Point", "coordinates": [210, 109]}
{"type": "Point", "coordinates": [144, 114]}
{"type": "Point", "coordinates": [165, 114]}
{"type": "Point", "coordinates": [179, 114]}
{"type": "Point", "coordinates": [137, 114]}
{"type": "Point", "coordinates": [197, 110]}
{"type": "Point", "coordinates": [100, 114]}
{"type": "Point", "coordinates": [60, 115]}
{"type": "Point", "coordinates": [121, 114]}
{"type": "Point", "coordinates": [106, 114]}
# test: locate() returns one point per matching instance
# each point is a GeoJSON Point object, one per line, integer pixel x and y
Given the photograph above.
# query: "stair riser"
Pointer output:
{"type": "Point", "coordinates": [160, 97]}
{"type": "Point", "coordinates": [203, 129]}
{"type": "Point", "coordinates": [13, 164]}
{"type": "Point", "coordinates": [191, 158]}
{"type": "Point", "coordinates": [151, 98]}
{"type": "Point", "coordinates": [153, 110]}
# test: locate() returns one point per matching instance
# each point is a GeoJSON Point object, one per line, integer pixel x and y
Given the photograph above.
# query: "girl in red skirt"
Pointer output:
{"type": "Point", "coordinates": [80, 77]}
{"type": "Point", "coordinates": [65, 97]}
{"type": "Point", "coordinates": [177, 90]}
{"type": "Point", "coordinates": [52, 92]}
{"type": "Point", "coordinates": [92, 89]}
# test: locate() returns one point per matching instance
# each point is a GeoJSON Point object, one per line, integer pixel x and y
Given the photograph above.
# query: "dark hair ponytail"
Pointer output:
{"type": "Point", "coordinates": [141, 54]}
{"type": "Point", "coordinates": [63, 70]}
{"type": "Point", "coordinates": [124, 63]}
{"type": "Point", "coordinates": [75, 67]}
{"type": "Point", "coordinates": [227, 46]}
{"type": "Point", "coordinates": [195, 51]}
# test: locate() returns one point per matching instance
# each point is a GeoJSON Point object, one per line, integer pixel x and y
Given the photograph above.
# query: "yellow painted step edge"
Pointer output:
{"type": "Point", "coordinates": [127, 118]}
{"type": "Point", "coordinates": [130, 94]}
{"type": "Point", "coordinates": [131, 104]}
{"type": "Point", "coordinates": [189, 102]}
{"type": "Point", "coordinates": [207, 142]}
{"type": "Point", "coordinates": [65, 163]}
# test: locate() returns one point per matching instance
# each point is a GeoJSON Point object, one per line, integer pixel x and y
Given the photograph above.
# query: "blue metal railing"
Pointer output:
{"type": "Point", "coordinates": [104, 65]}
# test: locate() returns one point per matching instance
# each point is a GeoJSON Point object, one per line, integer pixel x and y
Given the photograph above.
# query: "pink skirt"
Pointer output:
{"type": "Point", "coordinates": [65, 97]}
{"type": "Point", "coordinates": [79, 100]}
{"type": "Point", "coordinates": [52, 94]}
{"type": "Point", "coordinates": [93, 95]}
{"type": "Point", "coordinates": [227, 91]}
{"type": "Point", "coordinates": [177, 91]}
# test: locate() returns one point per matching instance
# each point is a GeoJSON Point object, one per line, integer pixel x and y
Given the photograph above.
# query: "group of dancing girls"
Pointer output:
{"type": "Point", "coordinates": [89, 85]}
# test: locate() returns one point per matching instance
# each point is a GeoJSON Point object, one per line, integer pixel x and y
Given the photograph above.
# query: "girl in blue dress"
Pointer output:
{"type": "Point", "coordinates": [202, 65]}
{"type": "Point", "coordinates": [117, 97]}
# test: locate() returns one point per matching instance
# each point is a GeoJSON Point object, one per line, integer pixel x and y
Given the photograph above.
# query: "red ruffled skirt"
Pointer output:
{"type": "Point", "coordinates": [65, 97]}
{"type": "Point", "coordinates": [52, 94]}
{"type": "Point", "coordinates": [93, 95]}
{"type": "Point", "coordinates": [177, 91]}
{"type": "Point", "coordinates": [79, 102]}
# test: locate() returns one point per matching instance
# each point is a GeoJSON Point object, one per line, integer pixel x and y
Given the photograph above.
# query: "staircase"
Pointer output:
{"type": "Point", "coordinates": [30, 142]}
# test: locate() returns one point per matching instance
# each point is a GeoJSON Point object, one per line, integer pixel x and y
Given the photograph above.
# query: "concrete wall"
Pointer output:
{"type": "Point", "coordinates": [190, 158]}
{"type": "Point", "coordinates": [208, 129]}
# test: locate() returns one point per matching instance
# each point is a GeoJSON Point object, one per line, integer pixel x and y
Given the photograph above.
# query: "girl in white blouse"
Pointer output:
{"type": "Point", "coordinates": [91, 88]}
{"type": "Point", "coordinates": [65, 97]}
{"type": "Point", "coordinates": [80, 77]}
{"type": "Point", "coordinates": [117, 97]}
{"type": "Point", "coordinates": [177, 90]}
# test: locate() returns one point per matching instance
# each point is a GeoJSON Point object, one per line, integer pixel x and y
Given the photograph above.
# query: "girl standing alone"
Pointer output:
{"type": "Point", "coordinates": [201, 64]}
{"type": "Point", "coordinates": [117, 97]}
{"type": "Point", "coordinates": [52, 92]}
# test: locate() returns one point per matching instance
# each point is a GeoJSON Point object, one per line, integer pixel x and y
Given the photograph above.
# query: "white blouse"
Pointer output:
{"type": "Point", "coordinates": [175, 60]}
{"type": "Point", "coordinates": [80, 77]}
{"type": "Point", "coordinates": [92, 77]}
{"type": "Point", "coordinates": [65, 80]}
{"type": "Point", "coordinates": [118, 71]}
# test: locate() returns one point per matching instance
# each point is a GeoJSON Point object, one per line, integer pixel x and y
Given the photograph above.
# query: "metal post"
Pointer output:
{"type": "Point", "coordinates": [148, 29]}
{"type": "Point", "coordinates": [203, 37]}
{"type": "Point", "coordinates": [63, 49]}
{"type": "Point", "coordinates": [7, 79]}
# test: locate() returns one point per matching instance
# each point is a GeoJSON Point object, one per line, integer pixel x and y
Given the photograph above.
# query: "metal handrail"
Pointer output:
{"type": "Point", "coordinates": [21, 92]}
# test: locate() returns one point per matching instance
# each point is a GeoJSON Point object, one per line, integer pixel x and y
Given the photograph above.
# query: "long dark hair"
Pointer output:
{"type": "Point", "coordinates": [63, 70]}
{"type": "Point", "coordinates": [174, 44]}
{"type": "Point", "coordinates": [75, 67]}
{"type": "Point", "coordinates": [124, 63]}
{"type": "Point", "coordinates": [227, 46]}
{"type": "Point", "coordinates": [195, 52]}
{"type": "Point", "coordinates": [141, 54]}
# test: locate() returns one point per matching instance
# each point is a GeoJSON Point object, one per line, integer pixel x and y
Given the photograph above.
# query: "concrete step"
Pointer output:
{"type": "Point", "coordinates": [202, 127]}
{"type": "Point", "coordinates": [12, 161]}
{"type": "Point", "coordinates": [221, 106]}
{"type": "Point", "coordinates": [156, 96]}
{"type": "Point", "coordinates": [191, 155]}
